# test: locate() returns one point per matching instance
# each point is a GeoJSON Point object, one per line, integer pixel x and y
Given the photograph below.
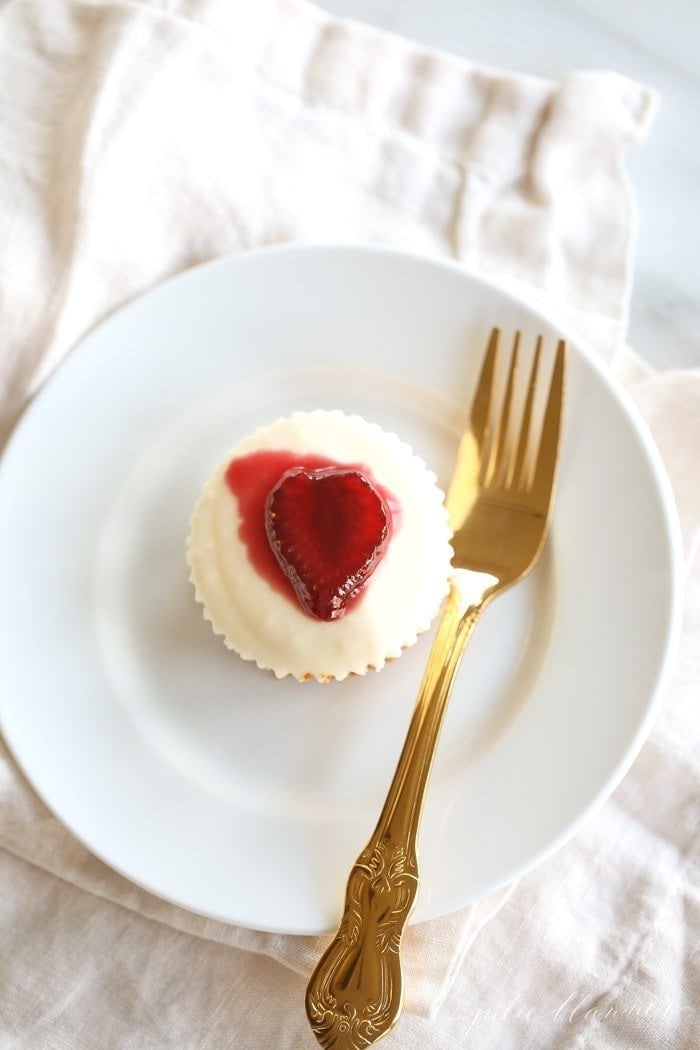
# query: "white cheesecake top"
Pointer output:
{"type": "Point", "coordinates": [263, 623]}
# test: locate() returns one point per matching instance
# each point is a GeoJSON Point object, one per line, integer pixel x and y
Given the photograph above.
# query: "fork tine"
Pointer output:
{"type": "Point", "coordinates": [546, 461]}
{"type": "Point", "coordinates": [465, 473]}
{"type": "Point", "coordinates": [518, 474]}
{"type": "Point", "coordinates": [481, 405]}
{"type": "Point", "coordinates": [498, 469]}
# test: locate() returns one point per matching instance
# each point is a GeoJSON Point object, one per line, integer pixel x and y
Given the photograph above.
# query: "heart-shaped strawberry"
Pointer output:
{"type": "Point", "coordinates": [328, 529]}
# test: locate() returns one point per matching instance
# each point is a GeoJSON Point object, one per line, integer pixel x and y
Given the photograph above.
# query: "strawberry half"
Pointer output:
{"type": "Point", "coordinates": [328, 529]}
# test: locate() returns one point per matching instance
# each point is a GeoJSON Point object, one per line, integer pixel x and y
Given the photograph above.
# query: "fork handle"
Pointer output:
{"type": "Point", "coordinates": [354, 995]}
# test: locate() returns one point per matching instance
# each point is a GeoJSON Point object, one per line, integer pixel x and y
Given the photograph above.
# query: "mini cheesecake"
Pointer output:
{"type": "Point", "coordinates": [320, 547]}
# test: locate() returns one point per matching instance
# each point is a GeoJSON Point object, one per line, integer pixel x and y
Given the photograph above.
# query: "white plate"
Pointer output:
{"type": "Point", "coordinates": [204, 779]}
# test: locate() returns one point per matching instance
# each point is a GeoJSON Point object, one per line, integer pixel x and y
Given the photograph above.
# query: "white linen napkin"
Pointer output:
{"type": "Point", "coordinates": [138, 138]}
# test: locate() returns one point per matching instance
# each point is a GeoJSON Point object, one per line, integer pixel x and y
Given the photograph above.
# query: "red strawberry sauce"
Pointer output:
{"type": "Point", "coordinates": [250, 478]}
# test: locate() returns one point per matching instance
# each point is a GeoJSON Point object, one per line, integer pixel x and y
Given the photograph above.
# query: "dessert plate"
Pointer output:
{"type": "Point", "coordinates": [206, 780]}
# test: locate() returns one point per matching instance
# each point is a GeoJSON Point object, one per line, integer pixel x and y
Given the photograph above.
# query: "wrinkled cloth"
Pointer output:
{"type": "Point", "coordinates": [139, 138]}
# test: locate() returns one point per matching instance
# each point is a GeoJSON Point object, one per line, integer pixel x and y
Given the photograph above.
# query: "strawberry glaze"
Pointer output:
{"type": "Point", "coordinates": [250, 478]}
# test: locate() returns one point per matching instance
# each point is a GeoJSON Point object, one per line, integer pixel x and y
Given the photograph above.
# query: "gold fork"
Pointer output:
{"type": "Point", "coordinates": [499, 502]}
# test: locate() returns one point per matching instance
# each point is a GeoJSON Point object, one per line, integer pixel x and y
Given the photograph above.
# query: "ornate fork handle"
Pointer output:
{"type": "Point", "coordinates": [354, 996]}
